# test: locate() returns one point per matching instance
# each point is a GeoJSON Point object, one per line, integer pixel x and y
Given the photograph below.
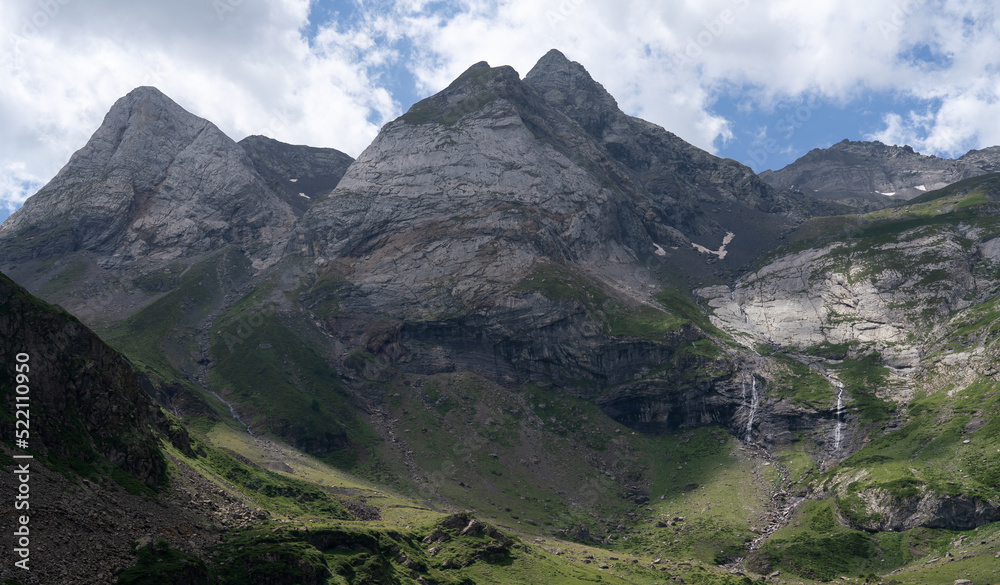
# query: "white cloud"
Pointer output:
{"type": "Point", "coordinates": [962, 121]}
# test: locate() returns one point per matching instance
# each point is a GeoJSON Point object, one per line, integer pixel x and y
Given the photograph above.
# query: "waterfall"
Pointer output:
{"type": "Point", "coordinates": [754, 401]}
{"type": "Point", "coordinates": [233, 412]}
{"type": "Point", "coordinates": [840, 406]}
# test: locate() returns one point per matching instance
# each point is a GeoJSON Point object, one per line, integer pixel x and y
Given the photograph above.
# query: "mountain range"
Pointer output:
{"type": "Point", "coordinates": [873, 175]}
{"type": "Point", "coordinates": [523, 337]}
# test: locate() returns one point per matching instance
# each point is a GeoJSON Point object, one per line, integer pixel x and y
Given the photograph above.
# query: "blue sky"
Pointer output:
{"type": "Point", "coordinates": [759, 81]}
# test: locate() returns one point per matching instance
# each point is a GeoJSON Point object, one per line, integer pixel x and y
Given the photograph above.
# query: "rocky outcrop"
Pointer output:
{"type": "Point", "coordinates": [873, 175]}
{"type": "Point", "coordinates": [884, 511]}
{"type": "Point", "coordinates": [690, 190]}
{"type": "Point", "coordinates": [987, 159]}
{"type": "Point", "coordinates": [86, 404]}
{"type": "Point", "coordinates": [153, 190]}
{"type": "Point", "coordinates": [298, 174]}
{"type": "Point", "coordinates": [874, 293]}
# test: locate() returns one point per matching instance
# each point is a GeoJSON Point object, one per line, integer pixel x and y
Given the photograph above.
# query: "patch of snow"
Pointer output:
{"type": "Point", "coordinates": [304, 195]}
{"type": "Point", "coordinates": [721, 252]}
{"type": "Point", "coordinates": [890, 194]}
{"type": "Point", "coordinates": [920, 188]}
{"type": "Point", "coordinates": [294, 180]}
{"type": "Point", "coordinates": [659, 250]}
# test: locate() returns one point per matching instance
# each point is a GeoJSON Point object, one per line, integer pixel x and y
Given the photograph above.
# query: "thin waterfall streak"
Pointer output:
{"type": "Point", "coordinates": [754, 401]}
{"type": "Point", "coordinates": [837, 430]}
{"type": "Point", "coordinates": [232, 411]}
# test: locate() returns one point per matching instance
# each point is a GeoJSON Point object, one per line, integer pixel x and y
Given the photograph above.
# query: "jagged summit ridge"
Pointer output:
{"type": "Point", "coordinates": [690, 191]}
{"type": "Point", "coordinates": [475, 88]}
{"type": "Point", "coordinates": [568, 84]}
{"type": "Point", "coordinates": [645, 148]}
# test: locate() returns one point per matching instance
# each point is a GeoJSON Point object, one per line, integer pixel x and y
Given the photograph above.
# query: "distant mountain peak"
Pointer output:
{"type": "Point", "coordinates": [871, 174]}
{"type": "Point", "coordinates": [154, 182]}
{"type": "Point", "coordinates": [873, 147]}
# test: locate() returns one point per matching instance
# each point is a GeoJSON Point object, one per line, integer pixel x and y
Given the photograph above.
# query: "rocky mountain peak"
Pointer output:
{"type": "Point", "coordinates": [477, 87]}
{"type": "Point", "coordinates": [872, 174]}
{"type": "Point", "coordinates": [154, 102]}
{"type": "Point", "coordinates": [477, 183]}
{"type": "Point", "coordinates": [569, 87]}
{"type": "Point", "coordinates": [987, 159]}
{"type": "Point", "coordinates": [154, 183]}
{"type": "Point", "coordinates": [873, 148]}
{"type": "Point", "coordinates": [695, 197]}
{"type": "Point", "coordinates": [135, 143]}
{"type": "Point", "coordinates": [155, 190]}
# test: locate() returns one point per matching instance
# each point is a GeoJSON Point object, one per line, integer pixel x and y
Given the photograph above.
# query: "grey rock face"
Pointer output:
{"type": "Point", "coordinates": [987, 159]}
{"type": "Point", "coordinates": [88, 394]}
{"type": "Point", "coordinates": [473, 187]}
{"type": "Point", "coordinates": [464, 194]}
{"type": "Point", "coordinates": [688, 189]}
{"type": "Point", "coordinates": [872, 174]}
{"type": "Point", "coordinates": [298, 174]}
{"type": "Point", "coordinates": [879, 297]}
{"type": "Point", "coordinates": [886, 512]}
{"type": "Point", "coordinates": [154, 183]}
{"type": "Point", "coordinates": [674, 172]}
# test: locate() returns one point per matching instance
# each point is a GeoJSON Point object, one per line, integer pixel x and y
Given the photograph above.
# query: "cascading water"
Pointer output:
{"type": "Point", "coordinates": [840, 406]}
{"type": "Point", "coordinates": [754, 401]}
{"type": "Point", "coordinates": [233, 412]}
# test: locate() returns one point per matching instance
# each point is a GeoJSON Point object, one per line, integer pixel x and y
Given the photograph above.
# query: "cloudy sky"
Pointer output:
{"type": "Point", "coordinates": [760, 81]}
